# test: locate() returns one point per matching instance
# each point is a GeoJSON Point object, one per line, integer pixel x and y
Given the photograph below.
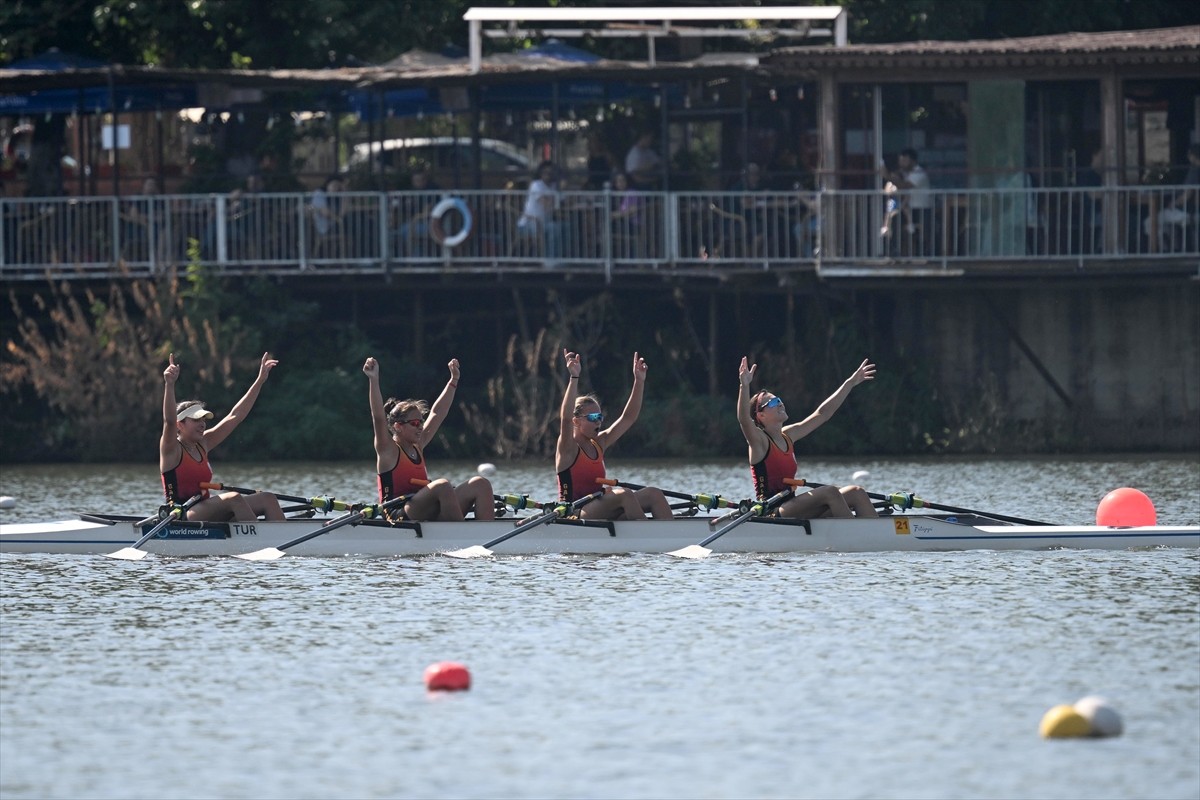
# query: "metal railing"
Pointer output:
{"type": "Point", "coordinates": [605, 233]}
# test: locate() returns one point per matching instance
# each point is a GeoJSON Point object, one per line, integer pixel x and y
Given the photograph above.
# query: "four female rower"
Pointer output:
{"type": "Point", "coordinates": [186, 442]}
{"type": "Point", "coordinates": [579, 456]}
{"type": "Point", "coordinates": [772, 452]}
{"type": "Point", "coordinates": [401, 433]}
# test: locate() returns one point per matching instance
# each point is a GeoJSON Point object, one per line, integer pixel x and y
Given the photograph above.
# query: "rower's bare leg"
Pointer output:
{"type": "Point", "coordinates": [476, 494]}
{"type": "Point", "coordinates": [615, 504]}
{"type": "Point", "coordinates": [266, 505]}
{"type": "Point", "coordinates": [857, 499]}
{"type": "Point", "coordinates": [230, 506]}
{"type": "Point", "coordinates": [437, 501]}
{"type": "Point", "coordinates": [825, 501]}
{"type": "Point", "coordinates": [653, 500]}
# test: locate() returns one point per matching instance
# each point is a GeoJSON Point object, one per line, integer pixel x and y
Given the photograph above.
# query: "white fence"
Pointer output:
{"type": "Point", "coordinates": [596, 232]}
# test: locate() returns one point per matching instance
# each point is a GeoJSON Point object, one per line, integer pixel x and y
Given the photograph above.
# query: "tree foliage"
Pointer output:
{"type": "Point", "coordinates": [228, 33]}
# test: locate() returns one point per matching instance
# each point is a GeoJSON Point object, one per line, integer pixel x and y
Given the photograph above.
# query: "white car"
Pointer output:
{"type": "Point", "coordinates": [451, 160]}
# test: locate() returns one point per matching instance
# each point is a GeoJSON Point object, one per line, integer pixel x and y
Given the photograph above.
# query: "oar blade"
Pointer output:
{"type": "Point", "coordinates": [266, 554]}
{"type": "Point", "coordinates": [474, 551]}
{"type": "Point", "coordinates": [128, 554]}
{"type": "Point", "coordinates": [691, 551]}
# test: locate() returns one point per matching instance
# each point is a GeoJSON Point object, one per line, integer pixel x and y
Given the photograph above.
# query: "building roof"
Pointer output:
{"type": "Point", "coordinates": [1175, 49]}
{"type": "Point", "coordinates": [1153, 47]}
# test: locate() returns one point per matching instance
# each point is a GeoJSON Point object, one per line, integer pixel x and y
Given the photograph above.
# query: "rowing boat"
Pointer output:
{"type": "Point", "coordinates": [897, 532]}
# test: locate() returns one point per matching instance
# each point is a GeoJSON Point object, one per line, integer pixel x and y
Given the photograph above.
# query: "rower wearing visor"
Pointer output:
{"type": "Point", "coordinates": [582, 440]}
{"type": "Point", "coordinates": [186, 442]}
{"type": "Point", "coordinates": [772, 449]}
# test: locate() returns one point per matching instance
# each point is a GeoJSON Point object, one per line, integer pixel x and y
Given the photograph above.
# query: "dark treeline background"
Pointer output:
{"type": "Point", "coordinates": [82, 370]}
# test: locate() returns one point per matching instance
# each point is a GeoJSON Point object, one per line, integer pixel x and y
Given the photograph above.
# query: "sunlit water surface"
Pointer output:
{"type": "Point", "coordinates": [880, 675]}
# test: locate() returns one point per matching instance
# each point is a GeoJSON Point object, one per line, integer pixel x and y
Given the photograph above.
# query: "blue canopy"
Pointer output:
{"type": "Point", "coordinates": [396, 103]}
{"type": "Point", "coordinates": [92, 98]}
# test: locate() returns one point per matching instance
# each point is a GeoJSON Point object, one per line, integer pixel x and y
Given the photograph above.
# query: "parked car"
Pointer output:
{"type": "Point", "coordinates": [451, 160]}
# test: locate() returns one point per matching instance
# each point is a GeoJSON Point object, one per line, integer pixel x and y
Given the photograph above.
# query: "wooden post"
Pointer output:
{"type": "Point", "coordinates": [1110, 141]}
{"type": "Point", "coordinates": [713, 354]}
{"type": "Point", "coordinates": [827, 178]}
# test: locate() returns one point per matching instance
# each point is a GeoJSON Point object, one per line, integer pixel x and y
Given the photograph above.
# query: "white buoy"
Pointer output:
{"type": "Point", "coordinates": [1102, 718]}
{"type": "Point", "coordinates": [8, 502]}
{"type": "Point", "coordinates": [486, 470]}
{"type": "Point", "coordinates": [860, 475]}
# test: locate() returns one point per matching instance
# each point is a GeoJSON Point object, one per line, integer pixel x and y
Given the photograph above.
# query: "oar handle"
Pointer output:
{"type": "Point", "coordinates": [706, 501]}
{"type": "Point", "coordinates": [353, 518]}
{"type": "Point", "coordinates": [174, 513]}
{"type": "Point", "coordinates": [559, 510]}
{"type": "Point", "coordinates": [519, 502]}
{"type": "Point", "coordinates": [323, 503]}
{"type": "Point", "coordinates": [758, 509]}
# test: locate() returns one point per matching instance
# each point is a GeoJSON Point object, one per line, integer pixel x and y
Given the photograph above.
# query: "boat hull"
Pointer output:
{"type": "Point", "coordinates": [908, 532]}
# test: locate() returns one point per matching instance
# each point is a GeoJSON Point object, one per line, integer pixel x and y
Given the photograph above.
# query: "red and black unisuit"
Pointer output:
{"type": "Point", "coordinates": [183, 482]}
{"type": "Point", "coordinates": [579, 479]}
{"type": "Point", "coordinates": [399, 479]}
{"type": "Point", "coordinates": [776, 466]}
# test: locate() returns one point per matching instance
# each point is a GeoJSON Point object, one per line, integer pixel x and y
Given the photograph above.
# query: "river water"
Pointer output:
{"type": "Point", "coordinates": [887, 675]}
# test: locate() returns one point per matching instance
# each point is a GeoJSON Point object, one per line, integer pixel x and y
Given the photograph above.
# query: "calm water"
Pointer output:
{"type": "Point", "coordinates": [879, 675]}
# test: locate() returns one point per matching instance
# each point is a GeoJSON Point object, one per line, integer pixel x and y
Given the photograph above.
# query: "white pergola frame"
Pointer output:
{"type": "Point", "coordinates": [636, 23]}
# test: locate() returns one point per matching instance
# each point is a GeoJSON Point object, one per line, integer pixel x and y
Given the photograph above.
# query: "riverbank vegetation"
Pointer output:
{"type": "Point", "coordinates": [81, 374]}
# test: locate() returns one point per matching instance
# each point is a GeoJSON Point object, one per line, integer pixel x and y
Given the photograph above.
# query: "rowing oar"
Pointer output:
{"type": "Point", "coordinates": [756, 510]}
{"type": "Point", "coordinates": [319, 503]}
{"type": "Point", "coordinates": [558, 510]}
{"type": "Point", "coordinates": [705, 501]}
{"type": "Point", "coordinates": [907, 500]}
{"type": "Point", "coordinates": [353, 518]}
{"type": "Point", "coordinates": [133, 553]}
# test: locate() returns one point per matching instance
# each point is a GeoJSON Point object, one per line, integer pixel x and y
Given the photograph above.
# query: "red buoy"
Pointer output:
{"type": "Point", "coordinates": [1126, 508]}
{"type": "Point", "coordinates": [447, 676]}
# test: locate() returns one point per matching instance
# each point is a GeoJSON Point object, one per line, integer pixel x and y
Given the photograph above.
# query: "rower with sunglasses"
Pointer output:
{"type": "Point", "coordinates": [401, 433]}
{"type": "Point", "coordinates": [579, 456]}
{"type": "Point", "coordinates": [773, 455]}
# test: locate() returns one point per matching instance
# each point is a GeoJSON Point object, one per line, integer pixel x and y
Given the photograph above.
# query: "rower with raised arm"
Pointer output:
{"type": "Point", "coordinates": [772, 451]}
{"type": "Point", "coordinates": [186, 442]}
{"type": "Point", "coordinates": [401, 433]}
{"type": "Point", "coordinates": [579, 455]}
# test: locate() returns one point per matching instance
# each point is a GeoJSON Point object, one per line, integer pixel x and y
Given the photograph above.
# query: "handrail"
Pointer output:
{"type": "Point", "coordinates": [603, 232]}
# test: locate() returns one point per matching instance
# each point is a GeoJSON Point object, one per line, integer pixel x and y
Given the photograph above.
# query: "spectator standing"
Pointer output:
{"type": "Point", "coordinates": [599, 164]}
{"type": "Point", "coordinates": [1179, 219]}
{"type": "Point", "coordinates": [539, 221]}
{"type": "Point", "coordinates": [327, 218]}
{"type": "Point", "coordinates": [628, 218]}
{"type": "Point", "coordinates": [1090, 224]}
{"type": "Point", "coordinates": [413, 234]}
{"type": "Point", "coordinates": [643, 163]}
{"type": "Point", "coordinates": [916, 203]}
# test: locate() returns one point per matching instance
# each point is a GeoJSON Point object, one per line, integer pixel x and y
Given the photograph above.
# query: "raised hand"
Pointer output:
{"type": "Point", "coordinates": [266, 365]}
{"type": "Point", "coordinates": [574, 366]}
{"type": "Point", "coordinates": [746, 372]}
{"type": "Point", "coordinates": [371, 368]}
{"type": "Point", "coordinates": [865, 372]}
{"type": "Point", "coordinates": [454, 371]}
{"type": "Point", "coordinates": [639, 367]}
{"type": "Point", "coordinates": [171, 373]}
